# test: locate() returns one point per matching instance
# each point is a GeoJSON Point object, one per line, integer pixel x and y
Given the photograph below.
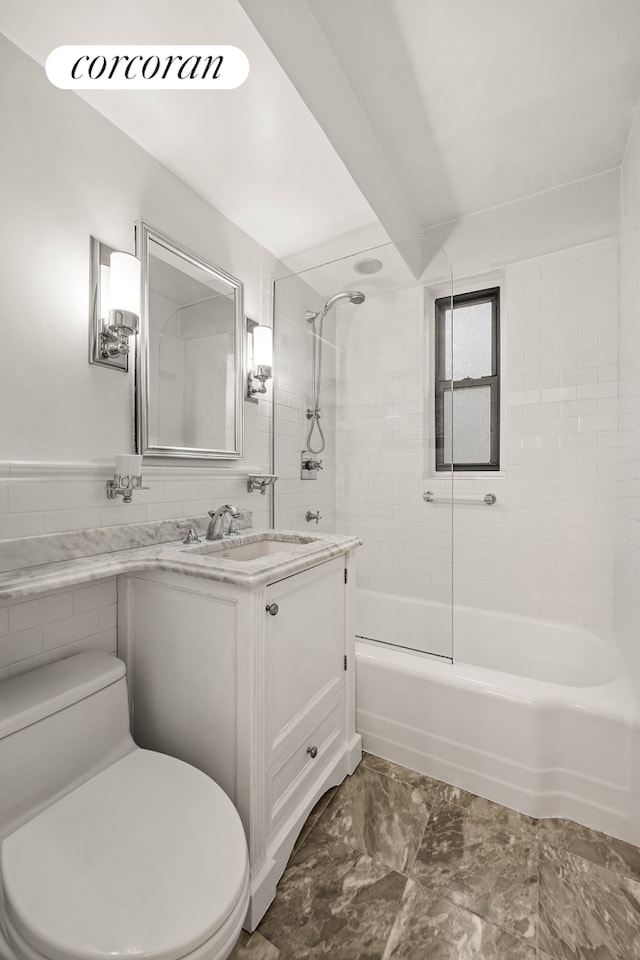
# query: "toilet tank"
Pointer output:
{"type": "Point", "coordinates": [59, 725]}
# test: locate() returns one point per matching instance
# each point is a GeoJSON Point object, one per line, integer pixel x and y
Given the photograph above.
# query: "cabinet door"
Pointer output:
{"type": "Point", "coordinates": [304, 652]}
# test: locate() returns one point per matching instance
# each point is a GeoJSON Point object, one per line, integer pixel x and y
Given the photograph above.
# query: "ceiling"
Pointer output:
{"type": "Point", "coordinates": [389, 114]}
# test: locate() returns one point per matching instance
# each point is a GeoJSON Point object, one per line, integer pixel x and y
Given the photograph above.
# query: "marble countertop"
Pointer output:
{"type": "Point", "coordinates": [299, 551]}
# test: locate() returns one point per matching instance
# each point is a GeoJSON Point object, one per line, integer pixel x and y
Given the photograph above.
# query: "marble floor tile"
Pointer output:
{"type": "Point", "coordinates": [379, 815]}
{"type": "Point", "coordinates": [432, 928]}
{"type": "Point", "coordinates": [485, 882]}
{"type": "Point", "coordinates": [586, 912]}
{"type": "Point", "coordinates": [315, 815]}
{"type": "Point", "coordinates": [433, 790]}
{"type": "Point", "coordinates": [483, 857]}
{"type": "Point", "coordinates": [333, 901]}
{"type": "Point", "coordinates": [616, 855]}
{"type": "Point", "coordinates": [253, 946]}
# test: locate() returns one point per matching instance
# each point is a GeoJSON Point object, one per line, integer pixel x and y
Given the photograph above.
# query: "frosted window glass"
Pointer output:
{"type": "Point", "coordinates": [471, 425]}
{"type": "Point", "coordinates": [471, 341]}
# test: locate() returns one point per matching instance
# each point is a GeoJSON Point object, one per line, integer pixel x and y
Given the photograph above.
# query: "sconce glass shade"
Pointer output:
{"type": "Point", "coordinates": [124, 288]}
{"type": "Point", "coordinates": [262, 347]}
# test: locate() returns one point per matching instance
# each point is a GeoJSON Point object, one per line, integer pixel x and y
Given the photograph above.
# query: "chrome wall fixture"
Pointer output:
{"type": "Point", "coordinates": [489, 499]}
{"type": "Point", "coordinates": [114, 308]}
{"type": "Point", "coordinates": [259, 358]}
{"type": "Point", "coordinates": [309, 465]}
{"type": "Point", "coordinates": [127, 478]}
{"type": "Point", "coordinates": [260, 481]}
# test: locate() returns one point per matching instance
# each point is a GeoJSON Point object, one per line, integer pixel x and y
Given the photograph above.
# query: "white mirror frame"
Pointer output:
{"type": "Point", "coordinates": [144, 233]}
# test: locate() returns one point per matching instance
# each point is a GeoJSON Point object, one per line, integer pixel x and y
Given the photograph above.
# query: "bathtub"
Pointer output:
{"type": "Point", "coordinates": [537, 716]}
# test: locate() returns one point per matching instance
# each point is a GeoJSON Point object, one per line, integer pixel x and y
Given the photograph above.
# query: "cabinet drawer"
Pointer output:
{"type": "Point", "coordinates": [288, 778]}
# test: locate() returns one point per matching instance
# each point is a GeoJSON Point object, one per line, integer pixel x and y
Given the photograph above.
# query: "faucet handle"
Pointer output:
{"type": "Point", "coordinates": [192, 533]}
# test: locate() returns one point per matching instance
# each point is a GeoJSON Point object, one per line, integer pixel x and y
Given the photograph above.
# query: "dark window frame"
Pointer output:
{"type": "Point", "coordinates": [444, 386]}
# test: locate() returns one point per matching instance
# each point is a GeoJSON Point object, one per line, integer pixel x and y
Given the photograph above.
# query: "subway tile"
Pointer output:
{"type": "Point", "coordinates": [599, 422]}
{"type": "Point", "coordinates": [62, 632]}
{"type": "Point", "coordinates": [105, 640]}
{"type": "Point", "coordinates": [20, 645]}
{"type": "Point", "coordinates": [164, 511]}
{"type": "Point", "coordinates": [553, 394]}
{"type": "Point", "coordinates": [523, 397]}
{"type": "Point", "coordinates": [607, 372]}
{"type": "Point", "coordinates": [17, 525]}
{"type": "Point", "coordinates": [122, 513]}
{"type": "Point", "coordinates": [58, 521]}
{"type": "Point", "coordinates": [30, 496]}
{"type": "Point", "coordinates": [97, 595]}
{"type": "Point", "coordinates": [31, 613]}
{"type": "Point", "coordinates": [598, 390]}
{"type": "Point", "coordinates": [39, 660]}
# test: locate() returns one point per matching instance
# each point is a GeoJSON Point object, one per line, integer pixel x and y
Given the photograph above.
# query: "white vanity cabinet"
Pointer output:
{"type": "Point", "coordinates": [255, 687]}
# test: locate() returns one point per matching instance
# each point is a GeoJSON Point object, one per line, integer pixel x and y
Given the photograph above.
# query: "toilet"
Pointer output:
{"type": "Point", "coordinates": [108, 850]}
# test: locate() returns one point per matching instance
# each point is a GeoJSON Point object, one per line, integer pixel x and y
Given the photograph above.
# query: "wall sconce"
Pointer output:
{"type": "Point", "coordinates": [127, 478]}
{"type": "Point", "coordinates": [259, 358]}
{"type": "Point", "coordinates": [114, 310]}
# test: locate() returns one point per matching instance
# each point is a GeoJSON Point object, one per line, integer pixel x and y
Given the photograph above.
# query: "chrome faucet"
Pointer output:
{"type": "Point", "coordinates": [215, 530]}
{"type": "Point", "coordinates": [191, 532]}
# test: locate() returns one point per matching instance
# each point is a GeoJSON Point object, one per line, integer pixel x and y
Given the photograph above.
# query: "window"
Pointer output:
{"type": "Point", "coordinates": [467, 381]}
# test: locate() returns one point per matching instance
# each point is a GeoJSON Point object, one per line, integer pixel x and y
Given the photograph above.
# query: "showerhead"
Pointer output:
{"type": "Point", "coordinates": [353, 296]}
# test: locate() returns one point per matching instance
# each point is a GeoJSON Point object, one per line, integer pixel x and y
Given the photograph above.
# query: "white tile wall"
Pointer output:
{"type": "Point", "coordinates": [292, 396]}
{"type": "Point", "coordinates": [546, 548]}
{"type": "Point", "coordinates": [36, 631]}
{"type": "Point", "coordinates": [627, 594]}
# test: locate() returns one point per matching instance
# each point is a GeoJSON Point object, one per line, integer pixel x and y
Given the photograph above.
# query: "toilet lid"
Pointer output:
{"type": "Point", "coordinates": [147, 859]}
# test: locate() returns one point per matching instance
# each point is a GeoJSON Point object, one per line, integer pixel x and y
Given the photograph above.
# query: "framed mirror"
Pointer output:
{"type": "Point", "coordinates": [189, 362]}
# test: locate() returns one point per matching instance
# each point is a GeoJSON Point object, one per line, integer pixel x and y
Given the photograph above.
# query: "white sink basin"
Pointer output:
{"type": "Point", "coordinates": [228, 550]}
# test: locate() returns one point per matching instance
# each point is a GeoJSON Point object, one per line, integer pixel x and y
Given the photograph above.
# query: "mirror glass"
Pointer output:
{"type": "Point", "coordinates": [189, 371]}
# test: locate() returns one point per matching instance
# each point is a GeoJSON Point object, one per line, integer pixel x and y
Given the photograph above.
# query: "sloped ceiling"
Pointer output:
{"type": "Point", "coordinates": [443, 108]}
{"type": "Point", "coordinates": [388, 115]}
{"type": "Point", "coordinates": [255, 153]}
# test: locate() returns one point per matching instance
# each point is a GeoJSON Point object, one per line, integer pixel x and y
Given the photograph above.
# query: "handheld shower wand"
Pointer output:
{"type": "Point", "coordinates": [353, 296]}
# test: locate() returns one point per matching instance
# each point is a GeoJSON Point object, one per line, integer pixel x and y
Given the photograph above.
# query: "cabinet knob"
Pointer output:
{"type": "Point", "coordinates": [272, 608]}
{"type": "Point", "coordinates": [313, 752]}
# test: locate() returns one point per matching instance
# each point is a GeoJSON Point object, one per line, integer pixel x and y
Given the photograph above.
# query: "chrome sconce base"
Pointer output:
{"type": "Point", "coordinates": [114, 334]}
{"type": "Point", "coordinates": [259, 354]}
{"type": "Point", "coordinates": [111, 322]}
{"type": "Point", "coordinates": [261, 373]}
{"type": "Point", "coordinates": [260, 481]}
{"type": "Point", "coordinates": [124, 486]}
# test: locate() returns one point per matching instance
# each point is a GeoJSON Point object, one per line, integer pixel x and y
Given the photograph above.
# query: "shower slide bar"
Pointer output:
{"type": "Point", "coordinates": [489, 499]}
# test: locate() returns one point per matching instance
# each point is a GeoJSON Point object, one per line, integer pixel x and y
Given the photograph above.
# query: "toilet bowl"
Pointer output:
{"type": "Point", "coordinates": [108, 850]}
